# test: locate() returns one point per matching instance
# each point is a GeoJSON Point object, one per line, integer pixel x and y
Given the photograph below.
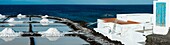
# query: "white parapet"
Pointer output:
{"type": "Point", "coordinates": [137, 17]}
{"type": "Point", "coordinates": [146, 20]}
{"type": "Point", "coordinates": [160, 30]}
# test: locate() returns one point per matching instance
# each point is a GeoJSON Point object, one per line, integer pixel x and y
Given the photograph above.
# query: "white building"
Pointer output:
{"type": "Point", "coordinates": [127, 28]}
{"type": "Point", "coordinates": [132, 29]}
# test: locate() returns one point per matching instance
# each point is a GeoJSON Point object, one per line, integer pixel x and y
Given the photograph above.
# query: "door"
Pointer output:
{"type": "Point", "coordinates": [160, 13]}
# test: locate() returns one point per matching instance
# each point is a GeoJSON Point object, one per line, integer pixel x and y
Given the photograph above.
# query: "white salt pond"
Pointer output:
{"type": "Point", "coordinates": [38, 27]}
{"type": "Point", "coordinates": [61, 27]}
{"type": "Point", "coordinates": [38, 19]}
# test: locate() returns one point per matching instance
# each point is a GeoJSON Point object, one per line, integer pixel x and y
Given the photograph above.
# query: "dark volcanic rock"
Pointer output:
{"type": "Point", "coordinates": [156, 39]}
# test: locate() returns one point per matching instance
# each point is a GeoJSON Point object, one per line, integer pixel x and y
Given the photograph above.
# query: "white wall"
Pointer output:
{"type": "Point", "coordinates": [168, 12]}
{"type": "Point", "coordinates": [141, 17]}
{"type": "Point", "coordinates": [101, 25]}
{"type": "Point", "coordinates": [161, 0]}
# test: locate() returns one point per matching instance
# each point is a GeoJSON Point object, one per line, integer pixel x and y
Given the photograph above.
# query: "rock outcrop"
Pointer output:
{"type": "Point", "coordinates": [155, 39]}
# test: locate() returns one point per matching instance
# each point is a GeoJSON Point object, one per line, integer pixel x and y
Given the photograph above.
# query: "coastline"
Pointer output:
{"type": "Point", "coordinates": [90, 35]}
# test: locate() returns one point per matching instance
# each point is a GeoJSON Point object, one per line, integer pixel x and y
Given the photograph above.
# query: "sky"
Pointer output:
{"type": "Point", "coordinates": [102, 2]}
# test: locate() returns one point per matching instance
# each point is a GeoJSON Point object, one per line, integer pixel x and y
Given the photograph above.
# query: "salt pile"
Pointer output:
{"type": "Point", "coordinates": [51, 32]}
{"type": "Point", "coordinates": [2, 16]}
{"type": "Point", "coordinates": [19, 16]}
{"type": "Point", "coordinates": [8, 32]}
{"type": "Point", "coordinates": [44, 21]}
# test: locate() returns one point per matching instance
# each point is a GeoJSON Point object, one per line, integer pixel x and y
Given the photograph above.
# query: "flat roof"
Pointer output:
{"type": "Point", "coordinates": [115, 20]}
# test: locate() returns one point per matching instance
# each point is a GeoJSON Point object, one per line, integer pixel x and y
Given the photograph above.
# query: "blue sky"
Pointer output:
{"type": "Point", "coordinates": [109, 2]}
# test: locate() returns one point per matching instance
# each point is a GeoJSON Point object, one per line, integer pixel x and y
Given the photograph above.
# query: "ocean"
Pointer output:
{"type": "Point", "coordinates": [86, 13]}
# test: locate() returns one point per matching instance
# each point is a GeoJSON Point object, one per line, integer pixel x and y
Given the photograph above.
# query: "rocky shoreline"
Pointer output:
{"type": "Point", "coordinates": [89, 35]}
{"type": "Point", "coordinates": [95, 38]}
{"type": "Point", "coordinates": [155, 39]}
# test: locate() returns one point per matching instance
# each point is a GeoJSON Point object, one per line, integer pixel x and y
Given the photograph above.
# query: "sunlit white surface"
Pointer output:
{"type": "Point", "coordinates": [13, 20]}
{"type": "Point", "coordinates": [2, 16]}
{"type": "Point", "coordinates": [51, 32]}
{"type": "Point", "coordinates": [8, 32]}
{"type": "Point", "coordinates": [26, 19]}
{"type": "Point", "coordinates": [38, 19]}
{"type": "Point", "coordinates": [127, 33]}
{"type": "Point", "coordinates": [160, 30]}
{"type": "Point", "coordinates": [44, 16]}
{"type": "Point", "coordinates": [44, 21]}
{"type": "Point", "coordinates": [19, 16]}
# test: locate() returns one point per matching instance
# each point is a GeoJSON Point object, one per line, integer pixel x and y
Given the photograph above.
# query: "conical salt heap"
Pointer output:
{"type": "Point", "coordinates": [11, 20]}
{"type": "Point", "coordinates": [2, 16]}
{"type": "Point", "coordinates": [44, 16]}
{"type": "Point", "coordinates": [44, 21]}
{"type": "Point", "coordinates": [51, 32]}
{"type": "Point", "coordinates": [19, 16]}
{"type": "Point", "coordinates": [7, 32]}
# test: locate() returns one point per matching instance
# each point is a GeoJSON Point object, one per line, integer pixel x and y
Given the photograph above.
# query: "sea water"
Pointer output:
{"type": "Point", "coordinates": [85, 13]}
